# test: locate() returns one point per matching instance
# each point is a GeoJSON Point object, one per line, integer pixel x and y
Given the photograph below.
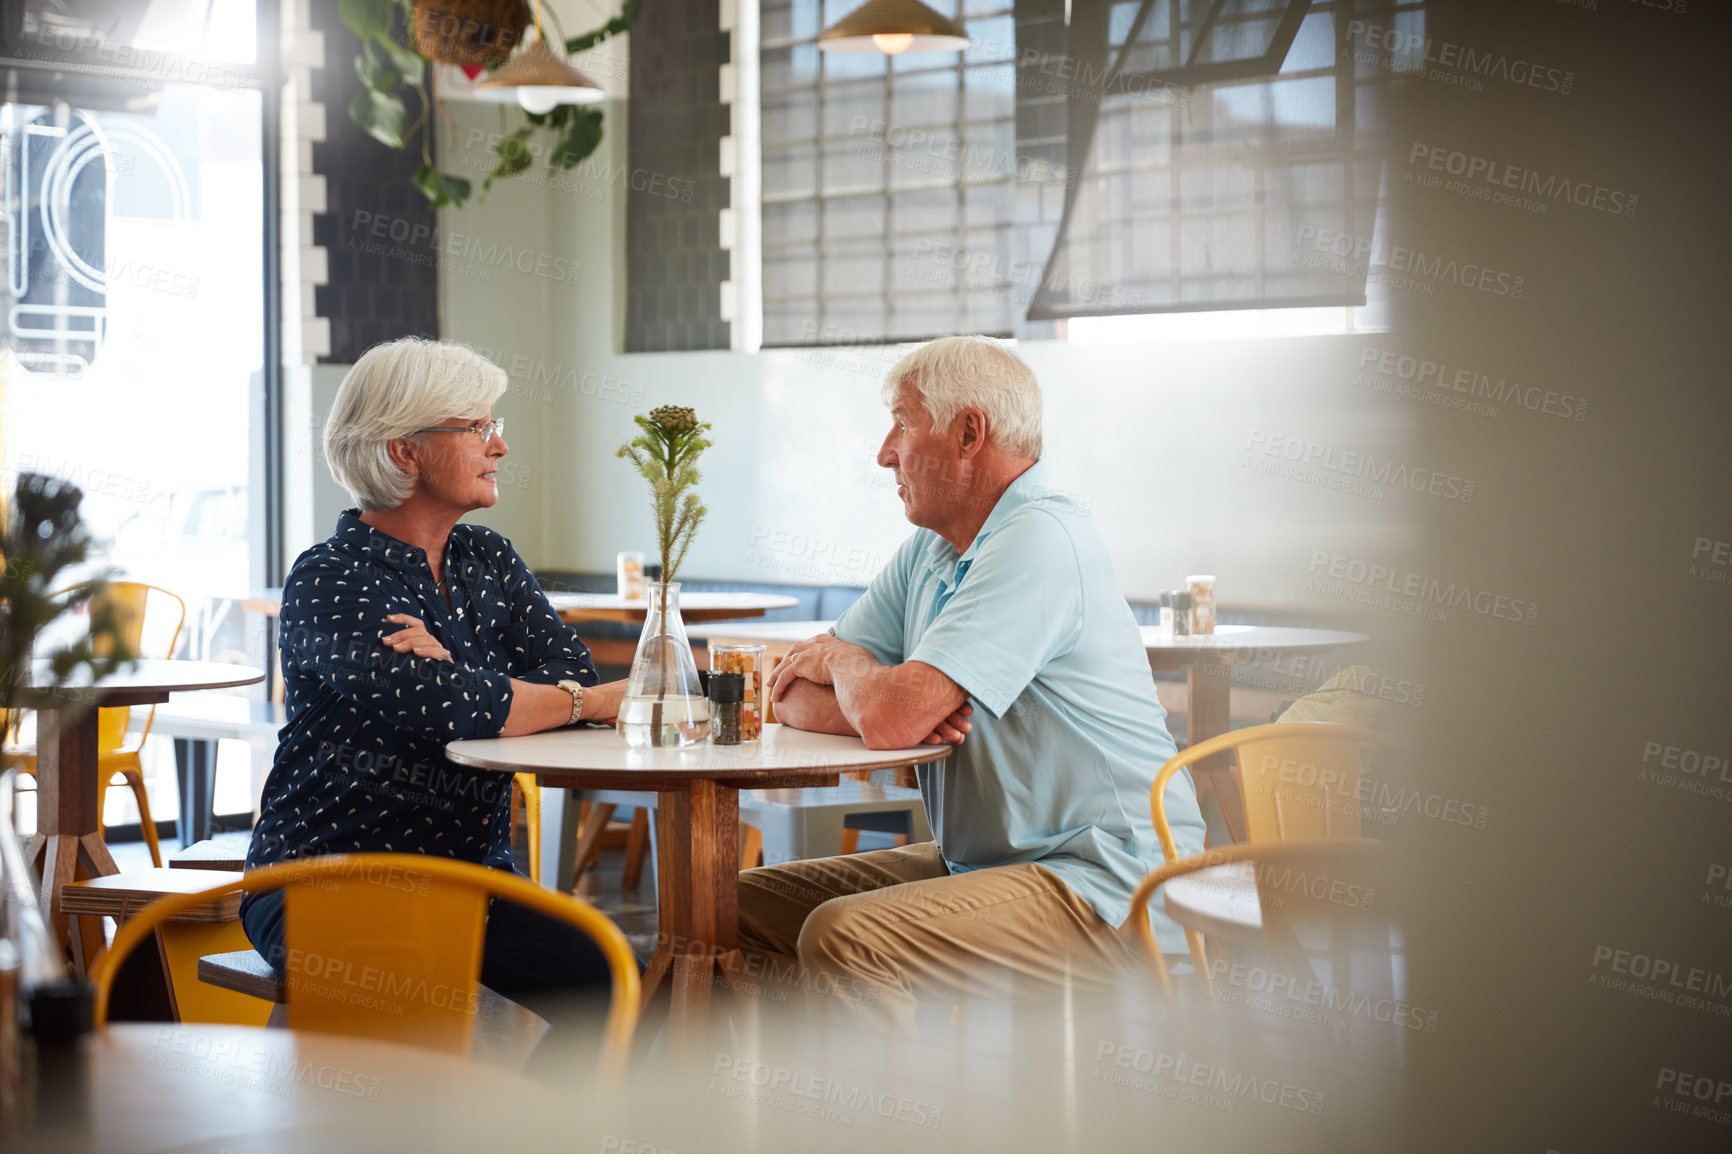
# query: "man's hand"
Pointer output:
{"type": "Point", "coordinates": [414, 638]}
{"type": "Point", "coordinates": [815, 660]}
{"type": "Point", "coordinates": [952, 729]}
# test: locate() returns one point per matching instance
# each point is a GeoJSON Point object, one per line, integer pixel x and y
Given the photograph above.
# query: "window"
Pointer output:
{"type": "Point", "coordinates": [1214, 145]}
{"type": "Point", "coordinates": [132, 215]}
{"type": "Point", "coordinates": [889, 183]}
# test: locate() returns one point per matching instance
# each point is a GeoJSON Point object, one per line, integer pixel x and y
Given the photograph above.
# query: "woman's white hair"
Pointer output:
{"type": "Point", "coordinates": [971, 372]}
{"type": "Point", "coordinates": [393, 390]}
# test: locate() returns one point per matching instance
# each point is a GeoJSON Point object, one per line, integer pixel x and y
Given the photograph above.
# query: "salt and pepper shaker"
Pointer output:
{"type": "Point", "coordinates": [1167, 614]}
{"type": "Point", "coordinates": [726, 692]}
{"type": "Point", "coordinates": [1181, 599]}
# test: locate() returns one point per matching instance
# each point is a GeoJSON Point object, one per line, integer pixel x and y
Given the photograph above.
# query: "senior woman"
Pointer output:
{"type": "Point", "coordinates": [406, 630]}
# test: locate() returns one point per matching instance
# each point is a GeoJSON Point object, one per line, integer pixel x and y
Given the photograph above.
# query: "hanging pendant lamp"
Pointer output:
{"type": "Point", "coordinates": [537, 80]}
{"type": "Point", "coordinates": [893, 27]}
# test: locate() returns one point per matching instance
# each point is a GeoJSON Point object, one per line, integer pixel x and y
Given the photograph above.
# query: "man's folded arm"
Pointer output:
{"type": "Point", "coordinates": [812, 707]}
{"type": "Point", "coordinates": [895, 706]}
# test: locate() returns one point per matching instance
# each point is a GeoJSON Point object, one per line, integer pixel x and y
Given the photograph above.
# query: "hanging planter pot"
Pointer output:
{"type": "Point", "coordinates": [469, 33]}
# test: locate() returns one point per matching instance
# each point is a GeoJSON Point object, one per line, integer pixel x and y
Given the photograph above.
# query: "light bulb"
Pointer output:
{"type": "Point", "coordinates": [539, 99]}
{"type": "Point", "coordinates": [890, 43]}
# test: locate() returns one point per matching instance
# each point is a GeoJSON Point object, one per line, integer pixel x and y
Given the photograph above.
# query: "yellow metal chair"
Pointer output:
{"type": "Point", "coordinates": [525, 786]}
{"type": "Point", "coordinates": [388, 946]}
{"type": "Point", "coordinates": [1325, 853]}
{"type": "Point", "coordinates": [129, 600]}
{"type": "Point", "coordinates": [1299, 780]}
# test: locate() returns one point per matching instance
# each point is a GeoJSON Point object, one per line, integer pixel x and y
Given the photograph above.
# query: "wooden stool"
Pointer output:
{"type": "Point", "coordinates": [175, 988]}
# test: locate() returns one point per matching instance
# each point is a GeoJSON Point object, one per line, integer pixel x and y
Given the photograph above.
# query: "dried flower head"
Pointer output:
{"type": "Point", "coordinates": [673, 418]}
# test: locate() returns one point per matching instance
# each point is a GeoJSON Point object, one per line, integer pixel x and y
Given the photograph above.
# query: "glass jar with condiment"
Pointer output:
{"type": "Point", "coordinates": [1181, 599]}
{"type": "Point", "coordinates": [726, 691]}
{"type": "Point", "coordinates": [1202, 591]}
{"type": "Point", "coordinates": [748, 661]}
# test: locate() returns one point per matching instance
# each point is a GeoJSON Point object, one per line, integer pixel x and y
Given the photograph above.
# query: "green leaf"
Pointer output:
{"type": "Point", "coordinates": [366, 18]}
{"type": "Point", "coordinates": [404, 60]}
{"type": "Point", "coordinates": [441, 188]}
{"type": "Point", "coordinates": [514, 156]}
{"type": "Point", "coordinates": [381, 114]}
{"type": "Point", "coordinates": [621, 23]}
{"type": "Point", "coordinates": [580, 139]}
{"type": "Point", "coordinates": [374, 72]}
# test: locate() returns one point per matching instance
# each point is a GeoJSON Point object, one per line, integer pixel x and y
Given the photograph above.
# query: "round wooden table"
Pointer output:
{"type": "Point", "coordinates": [1208, 661]}
{"type": "Point", "coordinates": [1221, 900]}
{"type": "Point", "coordinates": [162, 1086]}
{"type": "Point", "coordinates": [68, 842]}
{"type": "Point", "coordinates": [575, 607]}
{"type": "Point", "coordinates": [697, 825]}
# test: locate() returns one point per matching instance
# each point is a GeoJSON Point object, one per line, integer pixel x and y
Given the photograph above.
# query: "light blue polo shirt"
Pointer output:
{"type": "Point", "coordinates": [1068, 733]}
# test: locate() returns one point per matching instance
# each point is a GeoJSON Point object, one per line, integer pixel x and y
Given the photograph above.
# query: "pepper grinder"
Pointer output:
{"type": "Point", "coordinates": [727, 693]}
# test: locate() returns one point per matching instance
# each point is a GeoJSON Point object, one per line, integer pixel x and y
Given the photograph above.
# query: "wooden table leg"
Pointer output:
{"type": "Point", "coordinates": [1210, 690]}
{"type": "Point", "coordinates": [68, 844]}
{"type": "Point", "coordinates": [589, 840]}
{"type": "Point", "coordinates": [697, 879]}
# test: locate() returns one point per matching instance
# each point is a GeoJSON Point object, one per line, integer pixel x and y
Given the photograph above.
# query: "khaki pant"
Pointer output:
{"type": "Point", "coordinates": [878, 930]}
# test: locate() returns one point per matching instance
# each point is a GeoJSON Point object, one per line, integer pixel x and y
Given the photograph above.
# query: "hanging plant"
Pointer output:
{"type": "Point", "coordinates": [399, 38]}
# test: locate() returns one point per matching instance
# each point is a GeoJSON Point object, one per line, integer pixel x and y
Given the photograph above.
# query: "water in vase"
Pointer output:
{"type": "Point", "coordinates": [684, 721]}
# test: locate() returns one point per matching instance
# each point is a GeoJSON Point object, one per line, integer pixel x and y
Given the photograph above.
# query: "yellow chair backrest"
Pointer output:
{"type": "Point", "coordinates": [388, 946]}
{"type": "Point", "coordinates": [127, 600]}
{"type": "Point", "coordinates": [1298, 780]}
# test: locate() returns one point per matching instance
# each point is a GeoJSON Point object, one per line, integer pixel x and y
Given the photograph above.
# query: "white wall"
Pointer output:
{"type": "Point", "coordinates": [1154, 436]}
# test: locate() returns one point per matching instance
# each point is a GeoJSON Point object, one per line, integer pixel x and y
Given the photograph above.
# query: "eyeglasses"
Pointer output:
{"type": "Point", "coordinates": [486, 430]}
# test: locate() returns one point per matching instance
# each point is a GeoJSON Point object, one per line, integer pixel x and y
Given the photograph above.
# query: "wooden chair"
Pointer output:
{"type": "Point", "coordinates": [1298, 780]}
{"type": "Point", "coordinates": [412, 927]}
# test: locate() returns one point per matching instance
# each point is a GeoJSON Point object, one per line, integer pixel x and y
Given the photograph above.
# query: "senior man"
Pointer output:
{"type": "Point", "coordinates": [1003, 599]}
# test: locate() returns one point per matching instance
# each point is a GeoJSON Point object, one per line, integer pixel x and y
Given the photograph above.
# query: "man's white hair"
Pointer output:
{"type": "Point", "coordinates": [972, 372]}
{"type": "Point", "coordinates": [393, 390]}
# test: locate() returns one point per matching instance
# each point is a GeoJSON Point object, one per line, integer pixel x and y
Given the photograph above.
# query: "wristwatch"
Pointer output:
{"type": "Point", "coordinates": [576, 690]}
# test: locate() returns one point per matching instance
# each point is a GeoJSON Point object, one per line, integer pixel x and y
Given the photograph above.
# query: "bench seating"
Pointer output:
{"type": "Point", "coordinates": [225, 851]}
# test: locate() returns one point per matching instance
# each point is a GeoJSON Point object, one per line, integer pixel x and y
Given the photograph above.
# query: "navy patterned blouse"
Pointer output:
{"type": "Point", "coordinates": [361, 764]}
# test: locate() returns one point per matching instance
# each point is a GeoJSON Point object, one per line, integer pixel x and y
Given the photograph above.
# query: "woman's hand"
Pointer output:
{"type": "Point", "coordinates": [414, 638]}
{"type": "Point", "coordinates": [952, 729]}
{"type": "Point", "coordinates": [601, 702]}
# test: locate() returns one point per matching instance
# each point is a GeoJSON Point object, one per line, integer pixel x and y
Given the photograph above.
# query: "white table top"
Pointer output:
{"type": "Point", "coordinates": [782, 752]}
{"type": "Point", "coordinates": [1248, 641]}
{"type": "Point", "coordinates": [152, 680]}
{"type": "Point", "coordinates": [739, 602]}
{"type": "Point", "coordinates": [1217, 899]}
{"type": "Point", "coordinates": [770, 631]}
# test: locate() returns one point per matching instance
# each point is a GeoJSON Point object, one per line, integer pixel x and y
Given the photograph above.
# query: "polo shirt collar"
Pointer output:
{"type": "Point", "coordinates": [1029, 486]}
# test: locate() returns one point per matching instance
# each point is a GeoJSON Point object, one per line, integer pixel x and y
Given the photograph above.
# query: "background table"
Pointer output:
{"type": "Point", "coordinates": [68, 842]}
{"type": "Point", "coordinates": [1207, 660]}
{"type": "Point", "coordinates": [697, 825]}
{"type": "Point", "coordinates": [575, 607]}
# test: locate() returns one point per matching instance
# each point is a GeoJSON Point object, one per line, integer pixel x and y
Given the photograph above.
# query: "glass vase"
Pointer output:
{"type": "Point", "coordinates": [664, 705]}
